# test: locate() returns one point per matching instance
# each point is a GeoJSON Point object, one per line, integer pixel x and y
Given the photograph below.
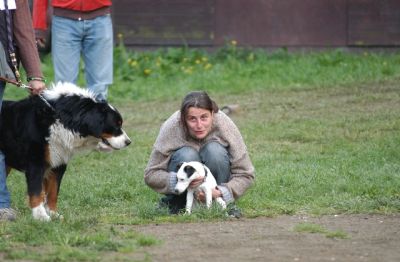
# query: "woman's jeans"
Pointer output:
{"type": "Point", "coordinates": [4, 194]}
{"type": "Point", "coordinates": [93, 39]}
{"type": "Point", "coordinates": [213, 155]}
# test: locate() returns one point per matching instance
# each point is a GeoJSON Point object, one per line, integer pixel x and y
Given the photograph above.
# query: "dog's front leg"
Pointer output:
{"type": "Point", "coordinates": [34, 177]}
{"type": "Point", "coordinates": [52, 188]}
{"type": "Point", "coordinates": [208, 193]}
{"type": "Point", "coordinates": [189, 201]}
{"type": "Point", "coordinates": [221, 202]}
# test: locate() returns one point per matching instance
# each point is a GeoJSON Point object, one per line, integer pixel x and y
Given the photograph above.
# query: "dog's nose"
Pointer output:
{"type": "Point", "coordinates": [128, 142]}
{"type": "Point", "coordinates": [177, 191]}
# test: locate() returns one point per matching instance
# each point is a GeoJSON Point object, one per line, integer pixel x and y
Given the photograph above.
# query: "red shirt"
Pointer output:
{"type": "Point", "coordinates": [40, 8]}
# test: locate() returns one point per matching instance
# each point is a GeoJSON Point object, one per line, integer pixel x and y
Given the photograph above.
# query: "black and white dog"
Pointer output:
{"type": "Point", "coordinates": [39, 135]}
{"type": "Point", "coordinates": [188, 171]}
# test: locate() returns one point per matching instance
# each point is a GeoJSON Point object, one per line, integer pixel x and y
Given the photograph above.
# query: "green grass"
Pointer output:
{"type": "Point", "coordinates": [322, 129]}
{"type": "Point", "coordinates": [318, 229]}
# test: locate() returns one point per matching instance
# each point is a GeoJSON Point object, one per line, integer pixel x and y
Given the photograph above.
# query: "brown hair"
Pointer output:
{"type": "Point", "coordinates": [197, 99]}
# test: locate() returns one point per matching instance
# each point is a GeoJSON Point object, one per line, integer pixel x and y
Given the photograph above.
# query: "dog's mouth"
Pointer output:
{"type": "Point", "coordinates": [105, 146]}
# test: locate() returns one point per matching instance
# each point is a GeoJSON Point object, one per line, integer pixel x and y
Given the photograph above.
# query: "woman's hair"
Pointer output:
{"type": "Point", "coordinates": [197, 99]}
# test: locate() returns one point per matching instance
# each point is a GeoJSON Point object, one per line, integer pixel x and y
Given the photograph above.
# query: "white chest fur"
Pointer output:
{"type": "Point", "coordinates": [63, 143]}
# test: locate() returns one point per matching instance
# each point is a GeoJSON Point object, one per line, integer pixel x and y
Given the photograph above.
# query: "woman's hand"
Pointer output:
{"type": "Point", "coordinates": [200, 196]}
{"type": "Point", "coordinates": [196, 182]}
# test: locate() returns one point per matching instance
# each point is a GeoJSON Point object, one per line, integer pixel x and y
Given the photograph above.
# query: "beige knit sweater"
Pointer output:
{"type": "Point", "coordinates": [172, 137]}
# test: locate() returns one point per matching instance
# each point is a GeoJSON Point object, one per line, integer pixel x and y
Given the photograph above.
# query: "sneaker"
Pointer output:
{"type": "Point", "coordinates": [175, 204]}
{"type": "Point", "coordinates": [234, 211]}
{"type": "Point", "coordinates": [7, 214]}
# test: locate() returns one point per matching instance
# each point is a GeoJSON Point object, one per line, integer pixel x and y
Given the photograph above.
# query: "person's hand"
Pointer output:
{"type": "Point", "coordinates": [196, 182]}
{"type": "Point", "coordinates": [36, 87]}
{"type": "Point", "coordinates": [200, 196]}
{"type": "Point", "coordinates": [41, 42]}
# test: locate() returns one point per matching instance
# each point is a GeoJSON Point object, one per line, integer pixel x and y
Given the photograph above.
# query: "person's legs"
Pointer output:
{"type": "Point", "coordinates": [176, 203]}
{"type": "Point", "coordinates": [6, 213]}
{"type": "Point", "coordinates": [184, 154]}
{"type": "Point", "coordinates": [66, 36]}
{"type": "Point", "coordinates": [216, 158]}
{"type": "Point", "coordinates": [98, 55]}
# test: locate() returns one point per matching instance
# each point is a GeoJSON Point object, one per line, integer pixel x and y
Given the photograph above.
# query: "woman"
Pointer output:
{"type": "Point", "coordinates": [200, 132]}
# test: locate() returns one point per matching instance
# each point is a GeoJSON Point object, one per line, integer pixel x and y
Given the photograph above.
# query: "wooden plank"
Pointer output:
{"type": "Point", "coordinates": [374, 23]}
{"type": "Point", "coordinates": [164, 22]}
{"type": "Point", "coordinates": [281, 23]}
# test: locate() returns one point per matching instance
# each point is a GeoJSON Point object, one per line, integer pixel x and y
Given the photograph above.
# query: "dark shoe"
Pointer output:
{"type": "Point", "coordinates": [234, 211]}
{"type": "Point", "coordinates": [175, 203]}
{"type": "Point", "coordinates": [7, 214]}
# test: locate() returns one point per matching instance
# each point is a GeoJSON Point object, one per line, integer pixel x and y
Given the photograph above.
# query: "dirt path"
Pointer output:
{"type": "Point", "coordinates": [369, 238]}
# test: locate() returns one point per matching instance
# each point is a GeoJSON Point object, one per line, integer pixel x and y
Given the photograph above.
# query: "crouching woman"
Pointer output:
{"type": "Point", "coordinates": [200, 132]}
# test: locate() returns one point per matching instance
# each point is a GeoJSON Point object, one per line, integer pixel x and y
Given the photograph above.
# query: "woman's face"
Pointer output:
{"type": "Point", "coordinates": [199, 122]}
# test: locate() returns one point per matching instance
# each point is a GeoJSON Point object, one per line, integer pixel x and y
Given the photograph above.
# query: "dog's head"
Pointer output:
{"type": "Point", "coordinates": [106, 123]}
{"type": "Point", "coordinates": [187, 172]}
{"type": "Point", "coordinates": [79, 111]}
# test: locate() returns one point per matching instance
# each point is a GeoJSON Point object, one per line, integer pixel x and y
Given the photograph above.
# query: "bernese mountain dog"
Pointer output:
{"type": "Point", "coordinates": [40, 134]}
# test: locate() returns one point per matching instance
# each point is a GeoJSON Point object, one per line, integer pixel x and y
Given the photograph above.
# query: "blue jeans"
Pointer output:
{"type": "Point", "coordinates": [4, 194]}
{"type": "Point", "coordinates": [94, 40]}
{"type": "Point", "coordinates": [213, 155]}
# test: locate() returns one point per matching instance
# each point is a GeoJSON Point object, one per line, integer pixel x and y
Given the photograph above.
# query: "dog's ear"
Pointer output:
{"type": "Point", "coordinates": [178, 166]}
{"type": "Point", "coordinates": [189, 170]}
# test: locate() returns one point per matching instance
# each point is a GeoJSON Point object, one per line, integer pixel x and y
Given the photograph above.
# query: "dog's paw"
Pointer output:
{"type": "Point", "coordinates": [56, 215]}
{"type": "Point", "coordinates": [39, 213]}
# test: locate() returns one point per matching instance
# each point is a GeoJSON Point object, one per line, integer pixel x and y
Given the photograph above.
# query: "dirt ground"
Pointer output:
{"type": "Point", "coordinates": [369, 238]}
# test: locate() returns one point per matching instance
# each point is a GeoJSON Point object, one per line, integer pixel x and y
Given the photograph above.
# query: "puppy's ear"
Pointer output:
{"type": "Point", "coordinates": [189, 170]}
{"type": "Point", "coordinates": [205, 169]}
{"type": "Point", "coordinates": [178, 166]}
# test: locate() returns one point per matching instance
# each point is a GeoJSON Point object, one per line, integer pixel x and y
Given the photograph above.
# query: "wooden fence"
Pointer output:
{"type": "Point", "coordinates": [258, 23]}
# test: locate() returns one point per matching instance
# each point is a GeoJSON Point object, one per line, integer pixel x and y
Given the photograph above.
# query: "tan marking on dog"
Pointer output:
{"type": "Point", "coordinates": [51, 189]}
{"type": "Point", "coordinates": [35, 201]}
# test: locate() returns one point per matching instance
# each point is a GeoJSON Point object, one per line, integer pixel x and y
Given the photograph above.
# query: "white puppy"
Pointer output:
{"type": "Point", "coordinates": [188, 171]}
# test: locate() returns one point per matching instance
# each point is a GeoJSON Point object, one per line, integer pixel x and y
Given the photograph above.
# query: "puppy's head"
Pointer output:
{"type": "Point", "coordinates": [186, 173]}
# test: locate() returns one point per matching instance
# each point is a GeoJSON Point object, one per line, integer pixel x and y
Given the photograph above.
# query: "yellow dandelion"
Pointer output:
{"type": "Point", "coordinates": [189, 70]}
{"type": "Point", "coordinates": [119, 35]}
{"type": "Point", "coordinates": [207, 66]}
{"type": "Point", "coordinates": [197, 61]}
{"type": "Point", "coordinates": [134, 63]}
{"type": "Point", "coordinates": [234, 42]}
{"type": "Point", "coordinates": [204, 59]}
{"type": "Point", "coordinates": [147, 71]}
